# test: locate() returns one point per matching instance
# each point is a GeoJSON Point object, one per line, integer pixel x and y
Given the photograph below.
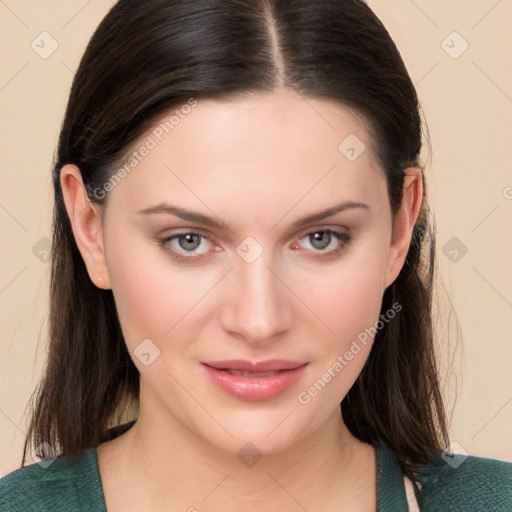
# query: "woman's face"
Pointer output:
{"type": "Point", "coordinates": [253, 282]}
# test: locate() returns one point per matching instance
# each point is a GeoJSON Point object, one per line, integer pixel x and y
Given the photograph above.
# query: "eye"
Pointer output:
{"type": "Point", "coordinates": [189, 241]}
{"type": "Point", "coordinates": [321, 240]}
{"type": "Point", "coordinates": [181, 244]}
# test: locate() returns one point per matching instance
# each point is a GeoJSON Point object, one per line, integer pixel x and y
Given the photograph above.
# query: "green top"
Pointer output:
{"type": "Point", "coordinates": [74, 485]}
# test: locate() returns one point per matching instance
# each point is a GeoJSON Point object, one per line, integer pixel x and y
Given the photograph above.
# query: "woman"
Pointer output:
{"type": "Point", "coordinates": [242, 243]}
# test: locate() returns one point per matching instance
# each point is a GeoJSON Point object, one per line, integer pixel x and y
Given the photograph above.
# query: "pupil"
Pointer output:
{"type": "Point", "coordinates": [189, 242]}
{"type": "Point", "coordinates": [318, 237]}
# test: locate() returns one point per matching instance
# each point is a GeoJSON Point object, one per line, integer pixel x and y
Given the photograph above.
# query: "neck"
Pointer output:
{"type": "Point", "coordinates": [177, 470]}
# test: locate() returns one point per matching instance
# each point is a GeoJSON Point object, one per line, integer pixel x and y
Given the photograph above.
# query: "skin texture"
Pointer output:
{"type": "Point", "coordinates": [257, 163]}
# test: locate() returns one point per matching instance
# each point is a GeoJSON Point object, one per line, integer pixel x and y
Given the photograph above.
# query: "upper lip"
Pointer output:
{"type": "Point", "coordinates": [255, 366]}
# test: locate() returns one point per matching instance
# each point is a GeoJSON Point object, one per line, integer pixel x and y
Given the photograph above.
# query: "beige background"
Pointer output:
{"type": "Point", "coordinates": [468, 105]}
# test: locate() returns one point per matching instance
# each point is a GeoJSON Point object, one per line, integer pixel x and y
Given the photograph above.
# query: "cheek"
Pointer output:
{"type": "Point", "coordinates": [349, 303]}
{"type": "Point", "coordinates": [150, 296]}
{"type": "Point", "coordinates": [347, 295]}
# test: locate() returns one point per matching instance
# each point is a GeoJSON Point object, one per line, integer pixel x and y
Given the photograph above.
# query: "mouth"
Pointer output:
{"type": "Point", "coordinates": [250, 380]}
{"type": "Point", "coordinates": [252, 374]}
{"type": "Point", "coordinates": [269, 365]}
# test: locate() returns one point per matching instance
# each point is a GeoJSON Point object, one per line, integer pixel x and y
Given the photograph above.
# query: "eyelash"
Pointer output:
{"type": "Point", "coordinates": [345, 238]}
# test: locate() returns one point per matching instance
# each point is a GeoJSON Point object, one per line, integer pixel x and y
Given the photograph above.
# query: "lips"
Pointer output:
{"type": "Point", "coordinates": [243, 373]}
{"type": "Point", "coordinates": [269, 365]}
{"type": "Point", "coordinates": [251, 380]}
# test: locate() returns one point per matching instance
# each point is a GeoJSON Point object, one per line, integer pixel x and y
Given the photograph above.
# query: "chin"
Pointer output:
{"type": "Point", "coordinates": [263, 436]}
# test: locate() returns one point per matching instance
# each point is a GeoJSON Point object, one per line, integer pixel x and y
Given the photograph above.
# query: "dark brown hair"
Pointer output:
{"type": "Point", "coordinates": [146, 58]}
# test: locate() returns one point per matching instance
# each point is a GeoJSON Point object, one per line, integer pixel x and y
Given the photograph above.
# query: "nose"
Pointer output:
{"type": "Point", "coordinates": [258, 304]}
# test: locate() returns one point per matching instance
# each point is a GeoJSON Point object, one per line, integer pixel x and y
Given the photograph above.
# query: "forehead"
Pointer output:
{"type": "Point", "coordinates": [257, 149]}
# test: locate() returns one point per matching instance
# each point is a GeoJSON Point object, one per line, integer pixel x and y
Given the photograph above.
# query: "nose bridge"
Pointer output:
{"type": "Point", "coordinates": [259, 307]}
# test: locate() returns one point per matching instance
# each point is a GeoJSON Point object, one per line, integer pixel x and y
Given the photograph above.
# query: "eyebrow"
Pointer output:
{"type": "Point", "coordinates": [200, 218]}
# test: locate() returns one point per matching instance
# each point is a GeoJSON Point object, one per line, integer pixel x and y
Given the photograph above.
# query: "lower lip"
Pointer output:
{"type": "Point", "coordinates": [255, 388]}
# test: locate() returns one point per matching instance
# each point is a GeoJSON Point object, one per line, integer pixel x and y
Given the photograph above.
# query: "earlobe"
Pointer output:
{"type": "Point", "coordinates": [403, 223]}
{"type": "Point", "coordinates": [86, 224]}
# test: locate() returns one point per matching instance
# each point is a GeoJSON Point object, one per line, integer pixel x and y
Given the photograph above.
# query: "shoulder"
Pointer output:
{"type": "Point", "coordinates": [54, 484]}
{"type": "Point", "coordinates": [468, 483]}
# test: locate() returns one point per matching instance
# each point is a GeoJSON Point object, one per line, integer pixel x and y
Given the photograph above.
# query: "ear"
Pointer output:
{"type": "Point", "coordinates": [403, 223]}
{"type": "Point", "coordinates": [86, 224]}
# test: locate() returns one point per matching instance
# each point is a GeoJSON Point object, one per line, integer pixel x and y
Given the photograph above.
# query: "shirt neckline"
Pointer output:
{"type": "Point", "coordinates": [391, 492]}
